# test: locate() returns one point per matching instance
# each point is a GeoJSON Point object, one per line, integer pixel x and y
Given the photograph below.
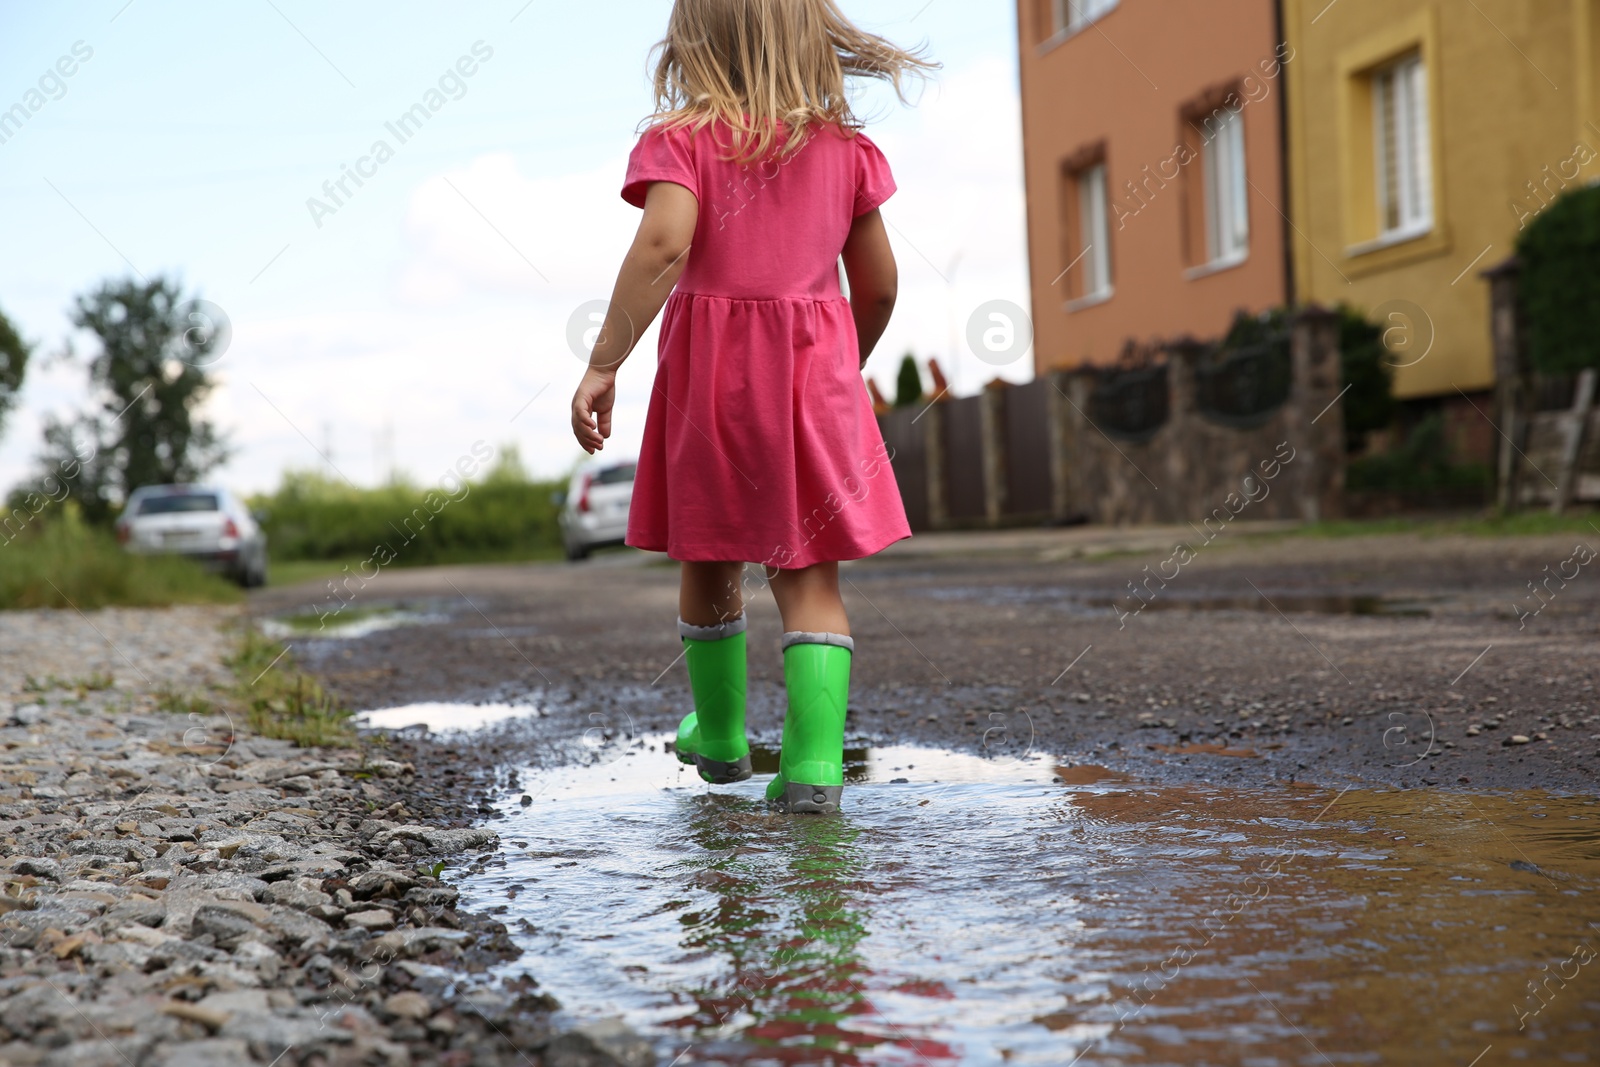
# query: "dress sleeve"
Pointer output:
{"type": "Point", "coordinates": [660, 156]}
{"type": "Point", "coordinates": [874, 183]}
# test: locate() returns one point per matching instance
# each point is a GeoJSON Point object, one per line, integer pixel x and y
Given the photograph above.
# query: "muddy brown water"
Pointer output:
{"type": "Point", "coordinates": [1022, 911]}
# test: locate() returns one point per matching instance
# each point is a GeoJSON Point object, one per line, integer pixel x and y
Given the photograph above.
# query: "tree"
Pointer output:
{"type": "Point", "coordinates": [149, 376]}
{"type": "Point", "coordinates": [908, 386]}
{"type": "Point", "coordinates": [1559, 286]}
{"type": "Point", "coordinates": [14, 353]}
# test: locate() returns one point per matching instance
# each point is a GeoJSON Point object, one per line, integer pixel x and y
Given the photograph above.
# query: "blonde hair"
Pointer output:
{"type": "Point", "coordinates": [760, 64]}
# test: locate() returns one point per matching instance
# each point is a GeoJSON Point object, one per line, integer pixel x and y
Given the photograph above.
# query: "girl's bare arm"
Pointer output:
{"type": "Point", "coordinates": [650, 270]}
{"type": "Point", "coordinates": [874, 279]}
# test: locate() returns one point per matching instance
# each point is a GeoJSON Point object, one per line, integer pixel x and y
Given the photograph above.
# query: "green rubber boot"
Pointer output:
{"type": "Point", "coordinates": [816, 669]}
{"type": "Point", "coordinates": [712, 735]}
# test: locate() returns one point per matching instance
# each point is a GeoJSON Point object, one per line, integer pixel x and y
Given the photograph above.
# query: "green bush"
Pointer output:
{"type": "Point", "coordinates": [1365, 365]}
{"type": "Point", "coordinates": [1560, 285]}
{"type": "Point", "coordinates": [60, 562]}
{"type": "Point", "coordinates": [504, 516]}
{"type": "Point", "coordinates": [1422, 463]}
{"type": "Point", "coordinates": [1368, 369]}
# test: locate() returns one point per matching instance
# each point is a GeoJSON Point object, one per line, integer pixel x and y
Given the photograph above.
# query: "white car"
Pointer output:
{"type": "Point", "coordinates": [206, 524]}
{"type": "Point", "coordinates": [594, 508]}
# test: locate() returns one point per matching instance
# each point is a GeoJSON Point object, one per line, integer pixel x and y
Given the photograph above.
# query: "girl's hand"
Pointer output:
{"type": "Point", "coordinates": [591, 408]}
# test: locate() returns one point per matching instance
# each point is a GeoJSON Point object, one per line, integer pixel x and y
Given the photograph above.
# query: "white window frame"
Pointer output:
{"type": "Point", "coordinates": [1402, 149]}
{"type": "Point", "coordinates": [1070, 16]}
{"type": "Point", "coordinates": [1227, 191]}
{"type": "Point", "coordinates": [1094, 228]}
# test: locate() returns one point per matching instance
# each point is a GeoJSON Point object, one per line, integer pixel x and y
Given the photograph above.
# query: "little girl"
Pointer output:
{"type": "Point", "coordinates": [760, 444]}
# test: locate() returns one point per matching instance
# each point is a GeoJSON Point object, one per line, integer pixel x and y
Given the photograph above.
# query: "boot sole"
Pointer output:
{"type": "Point", "coordinates": [719, 773]}
{"type": "Point", "coordinates": [801, 799]}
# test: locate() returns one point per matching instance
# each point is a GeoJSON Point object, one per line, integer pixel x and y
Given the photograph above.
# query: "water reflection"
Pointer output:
{"type": "Point", "coordinates": [789, 915]}
{"type": "Point", "coordinates": [976, 911]}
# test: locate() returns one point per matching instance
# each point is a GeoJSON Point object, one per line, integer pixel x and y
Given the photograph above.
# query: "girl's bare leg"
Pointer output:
{"type": "Point", "coordinates": [709, 594]}
{"type": "Point", "coordinates": [809, 600]}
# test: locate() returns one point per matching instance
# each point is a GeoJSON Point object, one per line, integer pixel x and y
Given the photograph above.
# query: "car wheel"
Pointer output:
{"type": "Point", "coordinates": [576, 552]}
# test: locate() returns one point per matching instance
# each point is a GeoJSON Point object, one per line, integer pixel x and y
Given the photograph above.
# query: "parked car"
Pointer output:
{"type": "Point", "coordinates": [206, 524]}
{"type": "Point", "coordinates": [594, 508]}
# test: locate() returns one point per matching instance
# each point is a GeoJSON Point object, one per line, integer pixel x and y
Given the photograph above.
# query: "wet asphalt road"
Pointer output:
{"type": "Point", "coordinates": [1380, 660]}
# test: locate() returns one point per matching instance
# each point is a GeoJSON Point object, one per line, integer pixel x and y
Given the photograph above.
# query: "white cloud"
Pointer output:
{"type": "Point", "coordinates": [490, 229]}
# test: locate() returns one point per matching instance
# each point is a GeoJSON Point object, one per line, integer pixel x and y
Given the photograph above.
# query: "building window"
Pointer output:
{"type": "Point", "coordinates": [1401, 148]}
{"type": "Point", "coordinates": [1227, 201]}
{"type": "Point", "coordinates": [1070, 16]}
{"type": "Point", "coordinates": [1090, 244]}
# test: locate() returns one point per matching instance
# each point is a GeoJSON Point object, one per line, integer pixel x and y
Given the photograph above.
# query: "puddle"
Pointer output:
{"type": "Point", "coordinates": [345, 625]}
{"type": "Point", "coordinates": [1172, 600]}
{"type": "Point", "coordinates": [444, 718]}
{"type": "Point", "coordinates": [975, 911]}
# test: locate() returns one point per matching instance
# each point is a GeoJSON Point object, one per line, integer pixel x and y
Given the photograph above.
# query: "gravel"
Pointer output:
{"type": "Point", "coordinates": [175, 891]}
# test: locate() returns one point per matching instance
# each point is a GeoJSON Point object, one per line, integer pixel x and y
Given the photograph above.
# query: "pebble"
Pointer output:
{"type": "Point", "coordinates": [605, 1043]}
{"type": "Point", "coordinates": [408, 1005]}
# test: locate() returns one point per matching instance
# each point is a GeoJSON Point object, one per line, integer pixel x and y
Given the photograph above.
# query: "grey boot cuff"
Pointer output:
{"type": "Point", "coordinates": [712, 633]}
{"type": "Point", "coordinates": [800, 637]}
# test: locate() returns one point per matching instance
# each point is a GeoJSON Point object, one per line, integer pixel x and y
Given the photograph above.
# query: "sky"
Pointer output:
{"type": "Point", "coordinates": [431, 307]}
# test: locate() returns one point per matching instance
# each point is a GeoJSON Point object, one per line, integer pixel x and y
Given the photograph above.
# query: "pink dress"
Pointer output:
{"type": "Point", "coordinates": [760, 445]}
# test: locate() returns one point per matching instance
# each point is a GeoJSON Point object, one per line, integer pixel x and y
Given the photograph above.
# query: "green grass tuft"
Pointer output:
{"type": "Point", "coordinates": [279, 700]}
{"type": "Point", "coordinates": [177, 702]}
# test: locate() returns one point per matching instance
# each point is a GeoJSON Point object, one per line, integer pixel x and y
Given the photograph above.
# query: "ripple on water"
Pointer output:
{"type": "Point", "coordinates": [1019, 911]}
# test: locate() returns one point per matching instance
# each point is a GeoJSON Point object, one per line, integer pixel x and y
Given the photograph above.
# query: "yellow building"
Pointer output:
{"type": "Point", "coordinates": [1423, 134]}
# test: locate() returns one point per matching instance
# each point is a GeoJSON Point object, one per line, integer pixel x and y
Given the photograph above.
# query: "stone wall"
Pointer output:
{"type": "Point", "coordinates": [1286, 463]}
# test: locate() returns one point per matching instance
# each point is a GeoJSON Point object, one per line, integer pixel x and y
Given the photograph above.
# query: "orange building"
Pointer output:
{"type": "Point", "coordinates": [1153, 136]}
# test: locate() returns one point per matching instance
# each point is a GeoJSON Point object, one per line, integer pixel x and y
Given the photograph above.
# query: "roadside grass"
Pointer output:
{"type": "Point", "coordinates": [270, 693]}
{"type": "Point", "coordinates": [296, 571]}
{"type": "Point", "coordinates": [300, 571]}
{"type": "Point", "coordinates": [1521, 524]}
{"type": "Point", "coordinates": [93, 683]}
{"type": "Point", "coordinates": [66, 564]}
{"type": "Point", "coordinates": [178, 702]}
{"type": "Point", "coordinates": [279, 700]}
